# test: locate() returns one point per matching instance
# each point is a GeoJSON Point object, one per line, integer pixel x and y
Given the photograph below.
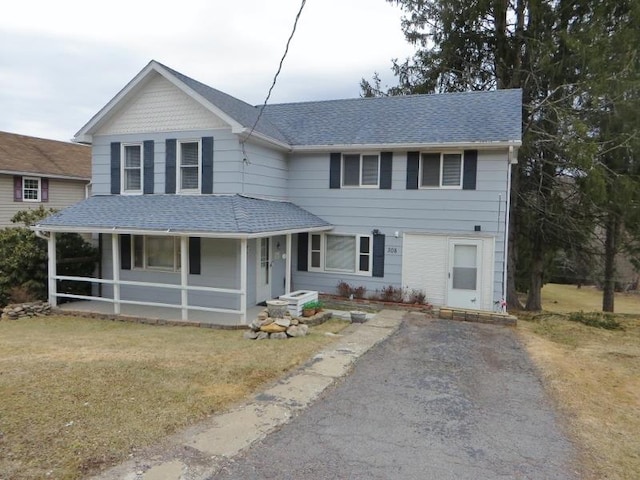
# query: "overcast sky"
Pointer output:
{"type": "Point", "coordinates": [63, 60]}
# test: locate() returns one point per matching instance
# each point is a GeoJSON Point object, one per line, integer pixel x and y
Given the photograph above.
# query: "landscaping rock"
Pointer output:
{"type": "Point", "coordinates": [283, 322]}
{"type": "Point", "coordinates": [251, 335]}
{"type": "Point", "coordinates": [278, 336]}
{"type": "Point", "coordinates": [273, 328]}
{"type": "Point", "coordinates": [262, 336]}
{"type": "Point", "coordinates": [297, 330]}
{"type": "Point", "coordinates": [255, 325]}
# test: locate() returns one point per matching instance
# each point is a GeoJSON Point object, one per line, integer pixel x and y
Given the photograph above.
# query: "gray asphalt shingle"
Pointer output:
{"type": "Point", "coordinates": [189, 213]}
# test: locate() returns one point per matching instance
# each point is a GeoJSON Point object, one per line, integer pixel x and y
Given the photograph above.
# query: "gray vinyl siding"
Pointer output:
{"type": "Point", "coordinates": [264, 173]}
{"type": "Point", "coordinates": [360, 210]}
{"type": "Point", "coordinates": [62, 193]}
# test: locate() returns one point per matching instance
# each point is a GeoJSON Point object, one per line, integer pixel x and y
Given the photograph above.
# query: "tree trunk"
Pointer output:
{"type": "Point", "coordinates": [612, 230]}
{"type": "Point", "coordinates": [534, 298]}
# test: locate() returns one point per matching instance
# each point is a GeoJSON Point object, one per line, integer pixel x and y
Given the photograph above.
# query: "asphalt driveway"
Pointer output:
{"type": "Point", "coordinates": [437, 400]}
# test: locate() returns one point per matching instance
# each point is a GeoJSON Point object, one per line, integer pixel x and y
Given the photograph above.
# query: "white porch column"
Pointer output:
{"type": "Point", "coordinates": [287, 276]}
{"type": "Point", "coordinates": [115, 255]}
{"type": "Point", "coordinates": [243, 281]}
{"type": "Point", "coordinates": [184, 276]}
{"type": "Point", "coordinates": [51, 251]}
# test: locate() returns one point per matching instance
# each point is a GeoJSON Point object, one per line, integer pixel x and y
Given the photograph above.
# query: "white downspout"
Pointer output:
{"type": "Point", "coordinates": [511, 159]}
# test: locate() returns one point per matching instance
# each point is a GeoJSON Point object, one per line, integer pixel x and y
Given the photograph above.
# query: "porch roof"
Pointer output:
{"type": "Point", "coordinates": [235, 216]}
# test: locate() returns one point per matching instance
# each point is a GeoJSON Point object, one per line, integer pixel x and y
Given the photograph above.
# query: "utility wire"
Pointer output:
{"type": "Point", "coordinates": [275, 77]}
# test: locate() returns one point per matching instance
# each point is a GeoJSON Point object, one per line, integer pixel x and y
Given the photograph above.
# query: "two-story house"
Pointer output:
{"type": "Point", "coordinates": [36, 171]}
{"type": "Point", "coordinates": [204, 203]}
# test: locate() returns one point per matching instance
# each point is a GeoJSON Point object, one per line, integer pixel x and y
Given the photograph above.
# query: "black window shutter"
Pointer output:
{"type": "Point", "coordinates": [207, 165]}
{"type": "Point", "coordinates": [334, 170]}
{"type": "Point", "coordinates": [44, 189]}
{"type": "Point", "coordinates": [470, 170]}
{"type": "Point", "coordinates": [386, 164]}
{"type": "Point", "coordinates": [303, 252]}
{"type": "Point", "coordinates": [378, 255]}
{"type": "Point", "coordinates": [115, 168]}
{"type": "Point", "coordinates": [149, 152]}
{"type": "Point", "coordinates": [170, 166]}
{"type": "Point", "coordinates": [194, 255]}
{"type": "Point", "coordinates": [413, 169]}
{"type": "Point", "coordinates": [125, 252]}
{"type": "Point", "coordinates": [17, 188]}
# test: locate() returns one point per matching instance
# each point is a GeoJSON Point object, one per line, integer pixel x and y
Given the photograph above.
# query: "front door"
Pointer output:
{"type": "Point", "coordinates": [464, 274]}
{"type": "Point", "coordinates": [263, 285]}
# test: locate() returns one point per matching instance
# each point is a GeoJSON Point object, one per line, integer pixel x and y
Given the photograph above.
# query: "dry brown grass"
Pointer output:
{"type": "Point", "coordinates": [78, 394]}
{"type": "Point", "coordinates": [594, 376]}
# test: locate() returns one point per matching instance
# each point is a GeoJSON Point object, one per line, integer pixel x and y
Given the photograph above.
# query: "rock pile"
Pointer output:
{"type": "Point", "coordinates": [276, 328]}
{"type": "Point", "coordinates": [26, 310]}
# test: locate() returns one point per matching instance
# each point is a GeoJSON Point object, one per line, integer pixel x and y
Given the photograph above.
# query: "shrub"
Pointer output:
{"type": "Point", "coordinates": [359, 292]}
{"type": "Point", "coordinates": [596, 319]}
{"type": "Point", "coordinates": [392, 294]}
{"type": "Point", "coordinates": [343, 289]}
{"type": "Point", "coordinates": [417, 296]}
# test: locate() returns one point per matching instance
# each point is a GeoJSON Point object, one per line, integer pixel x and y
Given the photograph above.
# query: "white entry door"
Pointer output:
{"type": "Point", "coordinates": [465, 260]}
{"type": "Point", "coordinates": [263, 284]}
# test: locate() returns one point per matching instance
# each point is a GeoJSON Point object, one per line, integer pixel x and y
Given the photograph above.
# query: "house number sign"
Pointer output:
{"type": "Point", "coordinates": [393, 250]}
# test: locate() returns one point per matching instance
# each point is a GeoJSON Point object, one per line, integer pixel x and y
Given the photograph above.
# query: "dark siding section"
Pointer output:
{"type": "Point", "coordinates": [125, 252]}
{"type": "Point", "coordinates": [470, 170]}
{"type": "Point", "coordinates": [115, 168]}
{"type": "Point", "coordinates": [149, 154]}
{"type": "Point", "coordinates": [194, 255]}
{"type": "Point", "coordinates": [378, 255]}
{"type": "Point", "coordinates": [44, 189]}
{"type": "Point", "coordinates": [207, 165]}
{"type": "Point", "coordinates": [303, 252]}
{"type": "Point", "coordinates": [334, 170]}
{"type": "Point", "coordinates": [413, 169]}
{"type": "Point", "coordinates": [170, 166]}
{"type": "Point", "coordinates": [17, 188]}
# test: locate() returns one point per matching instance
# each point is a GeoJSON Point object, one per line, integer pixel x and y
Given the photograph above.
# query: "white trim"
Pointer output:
{"type": "Point", "coordinates": [507, 216]}
{"type": "Point", "coordinates": [179, 189]}
{"type": "Point", "coordinates": [176, 233]}
{"type": "Point", "coordinates": [243, 281]}
{"type": "Point", "coordinates": [39, 190]}
{"type": "Point", "coordinates": [115, 256]}
{"type": "Point", "coordinates": [123, 168]}
{"type": "Point", "coordinates": [51, 255]}
{"type": "Point", "coordinates": [44, 174]}
{"type": "Point", "coordinates": [287, 277]}
{"type": "Point", "coordinates": [405, 146]}
{"type": "Point", "coordinates": [184, 276]}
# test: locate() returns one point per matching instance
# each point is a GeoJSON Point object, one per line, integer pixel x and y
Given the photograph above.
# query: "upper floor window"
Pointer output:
{"type": "Point", "coordinates": [31, 189]}
{"type": "Point", "coordinates": [189, 164]}
{"type": "Point", "coordinates": [360, 170]}
{"type": "Point", "coordinates": [441, 170]}
{"type": "Point", "coordinates": [340, 253]}
{"type": "Point", "coordinates": [132, 168]}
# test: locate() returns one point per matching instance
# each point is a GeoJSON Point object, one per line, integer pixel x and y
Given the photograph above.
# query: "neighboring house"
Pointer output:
{"type": "Point", "coordinates": [204, 204]}
{"type": "Point", "coordinates": [36, 171]}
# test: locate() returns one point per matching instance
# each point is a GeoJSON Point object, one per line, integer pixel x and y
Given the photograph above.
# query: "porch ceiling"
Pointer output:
{"type": "Point", "coordinates": [235, 216]}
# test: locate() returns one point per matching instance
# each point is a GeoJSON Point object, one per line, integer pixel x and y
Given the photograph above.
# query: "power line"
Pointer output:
{"type": "Point", "coordinates": [275, 77]}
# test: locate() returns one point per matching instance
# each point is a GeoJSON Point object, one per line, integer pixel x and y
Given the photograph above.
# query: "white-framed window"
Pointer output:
{"type": "Point", "coordinates": [441, 170]}
{"type": "Point", "coordinates": [360, 170]}
{"type": "Point", "coordinates": [329, 252]}
{"type": "Point", "coordinates": [189, 165]}
{"type": "Point", "coordinates": [156, 253]}
{"type": "Point", "coordinates": [31, 189]}
{"type": "Point", "coordinates": [132, 167]}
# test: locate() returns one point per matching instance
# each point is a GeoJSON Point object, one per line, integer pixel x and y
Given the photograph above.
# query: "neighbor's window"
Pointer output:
{"type": "Point", "coordinates": [156, 253]}
{"type": "Point", "coordinates": [340, 253]}
{"type": "Point", "coordinates": [132, 168]}
{"type": "Point", "coordinates": [189, 166]}
{"type": "Point", "coordinates": [30, 189]}
{"type": "Point", "coordinates": [441, 170]}
{"type": "Point", "coordinates": [360, 170]}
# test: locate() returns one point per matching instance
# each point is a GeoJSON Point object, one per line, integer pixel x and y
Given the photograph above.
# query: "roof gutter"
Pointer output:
{"type": "Point", "coordinates": [406, 146]}
{"type": "Point", "coordinates": [44, 174]}
{"type": "Point", "coordinates": [174, 233]}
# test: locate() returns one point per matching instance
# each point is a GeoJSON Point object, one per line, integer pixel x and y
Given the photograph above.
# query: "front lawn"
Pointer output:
{"type": "Point", "coordinates": [80, 394]}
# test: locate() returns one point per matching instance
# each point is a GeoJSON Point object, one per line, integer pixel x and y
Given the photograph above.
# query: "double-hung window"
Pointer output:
{"type": "Point", "coordinates": [31, 189]}
{"type": "Point", "coordinates": [189, 164]}
{"type": "Point", "coordinates": [360, 170]}
{"type": "Point", "coordinates": [132, 168]}
{"type": "Point", "coordinates": [441, 170]}
{"type": "Point", "coordinates": [156, 253]}
{"type": "Point", "coordinates": [340, 253]}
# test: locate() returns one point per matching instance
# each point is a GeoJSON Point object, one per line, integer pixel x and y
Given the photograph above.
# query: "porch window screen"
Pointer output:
{"type": "Point", "coordinates": [341, 253]}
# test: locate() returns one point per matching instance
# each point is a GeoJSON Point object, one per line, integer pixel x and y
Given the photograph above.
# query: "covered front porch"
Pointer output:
{"type": "Point", "coordinates": [211, 266]}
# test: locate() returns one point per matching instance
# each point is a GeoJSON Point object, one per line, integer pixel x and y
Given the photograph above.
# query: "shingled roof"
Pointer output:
{"type": "Point", "coordinates": [39, 156]}
{"type": "Point", "coordinates": [215, 214]}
